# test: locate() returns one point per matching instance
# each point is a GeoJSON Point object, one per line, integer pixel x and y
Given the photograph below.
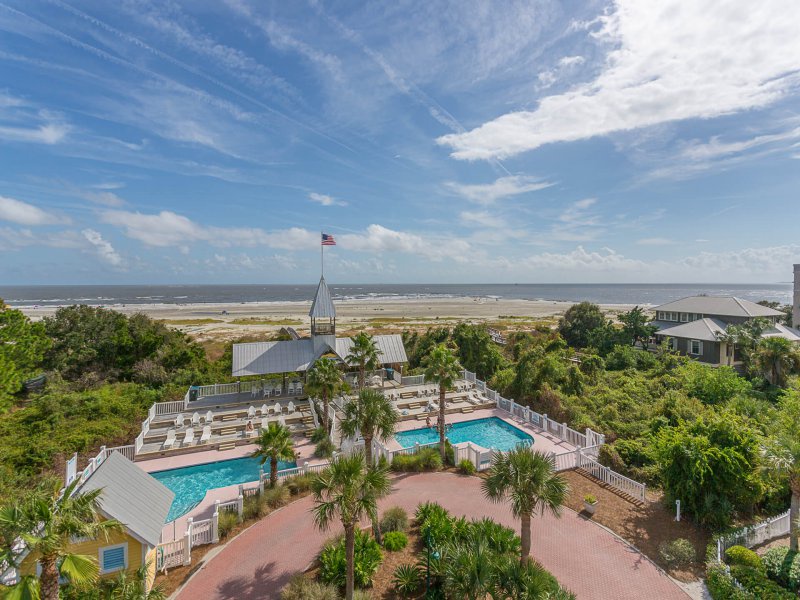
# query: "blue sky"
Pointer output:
{"type": "Point", "coordinates": [146, 141]}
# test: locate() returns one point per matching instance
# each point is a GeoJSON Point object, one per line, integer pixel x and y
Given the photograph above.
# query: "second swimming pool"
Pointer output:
{"type": "Point", "coordinates": [190, 484]}
{"type": "Point", "coordinates": [491, 432]}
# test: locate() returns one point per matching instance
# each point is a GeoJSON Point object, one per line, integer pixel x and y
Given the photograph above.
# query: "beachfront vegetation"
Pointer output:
{"type": "Point", "coordinates": [372, 414]}
{"type": "Point", "coordinates": [324, 381]}
{"type": "Point", "coordinates": [274, 444]}
{"type": "Point", "coordinates": [528, 482]}
{"type": "Point", "coordinates": [364, 355]}
{"type": "Point", "coordinates": [442, 368]}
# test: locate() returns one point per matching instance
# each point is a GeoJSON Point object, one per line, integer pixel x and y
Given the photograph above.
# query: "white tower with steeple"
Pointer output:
{"type": "Point", "coordinates": [323, 319]}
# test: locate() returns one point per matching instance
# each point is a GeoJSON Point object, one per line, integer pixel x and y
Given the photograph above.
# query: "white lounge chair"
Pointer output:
{"type": "Point", "coordinates": [251, 412]}
{"type": "Point", "coordinates": [209, 417]}
{"type": "Point", "coordinates": [264, 409]}
{"type": "Point", "coordinates": [290, 407]}
{"type": "Point", "coordinates": [188, 438]}
{"type": "Point", "coordinates": [180, 420]}
{"type": "Point", "coordinates": [264, 423]}
{"type": "Point", "coordinates": [170, 441]}
{"type": "Point", "coordinates": [267, 393]}
{"type": "Point", "coordinates": [277, 408]}
{"type": "Point", "coordinates": [196, 419]}
{"type": "Point", "coordinates": [299, 389]}
{"type": "Point", "coordinates": [282, 421]}
{"type": "Point", "coordinates": [206, 434]}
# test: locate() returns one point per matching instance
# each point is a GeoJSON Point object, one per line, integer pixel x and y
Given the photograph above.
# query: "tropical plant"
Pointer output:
{"type": "Point", "coordinates": [407, 579]}
{"type": "Point", "coordinates": [349, 490]}
{"type": "Point", "coordinates": [47, 521]}
{"type": "Point", "coordinates": [468, 569]}
{"type": "Point", "coordinates": [301, 587]}
{"type": "Point", "coordinates": [364, 354]}
{"type": "Point", "coordinates": [775, 358]}
{"type": "Point", "coordinates": [372, 414]}
{"type": "Point", "coordinates": [513, 580]}
{"type": "Point", "coordinates": [466, 467]}
{"type": "Point", "coordinates": [22, 348]}
{"type": "Point", "coordinates": [528, 481]}
{"type": "Point", "coordinates": [442, 367]}
{"type": "Point", "coordinates": [228, 520]}
{"type": "Point", "coordinates": [782, 564]}
{"type": "Point", "coordinates": [367, 558]}
{"type": "Point", "coordinates": [427, 459]}
{"type": "Point", "coordinates": [784, 454]}
{"type": "Point", "coordinates": [132, 587]}
{"type": "Point", "coordinates": [324, 380]}
{"type": "Point", "coordinates": [394, 519]}
{"type": "Point", "coordinates": [274, 444]}
{"type": "Point", "coordinates": [395, 540]}
{"type": "Point", "coordinates": [636, 326]}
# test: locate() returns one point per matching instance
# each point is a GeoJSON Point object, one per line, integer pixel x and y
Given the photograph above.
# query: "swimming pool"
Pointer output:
{"type": "Point", "coordinates": [190, 484]}
{"type": "Point", "coordinates": [491, 432]}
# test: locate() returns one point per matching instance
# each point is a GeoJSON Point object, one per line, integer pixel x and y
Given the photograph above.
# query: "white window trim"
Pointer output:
{"type": "Point", "coordinates": [699, 347]}
{"type": "Point", "coordinates": [684, 317]}
{"type": "Point", "coordinates": [124, 566]}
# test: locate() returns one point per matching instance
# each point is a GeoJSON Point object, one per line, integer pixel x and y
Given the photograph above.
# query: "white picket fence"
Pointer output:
{"type": "Point", "coordinates": [754, 535]}
{"type": "Point", "coordinates": [412, 380]}
{"type": "Point", "coordinates": [612, 478]}
{"type": "Point", "coordinates": [173, 554]}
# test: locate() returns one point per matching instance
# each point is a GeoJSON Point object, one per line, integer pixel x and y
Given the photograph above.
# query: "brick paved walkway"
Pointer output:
{"type": "Point", "coordinates": [583, 556]}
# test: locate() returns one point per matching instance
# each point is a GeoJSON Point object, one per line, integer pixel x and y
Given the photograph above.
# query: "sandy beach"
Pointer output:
{"type": "Point", "coordinates": [230, 321]}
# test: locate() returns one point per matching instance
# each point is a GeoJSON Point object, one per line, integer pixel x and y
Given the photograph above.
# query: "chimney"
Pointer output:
{"type": "Point", "coordinates": [796, 298]}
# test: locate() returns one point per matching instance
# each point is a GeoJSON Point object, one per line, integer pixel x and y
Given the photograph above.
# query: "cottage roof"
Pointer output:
{"type": "Point", "coordinates": [724, 306]}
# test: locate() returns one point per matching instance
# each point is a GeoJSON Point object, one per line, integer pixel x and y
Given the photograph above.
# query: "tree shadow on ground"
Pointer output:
{"type": "Point", "coordinates": [262, 583]}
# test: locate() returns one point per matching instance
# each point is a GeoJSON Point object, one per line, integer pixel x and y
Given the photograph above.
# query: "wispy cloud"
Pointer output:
{"type": "Point", "coordinates": [103, 247]}
{"type": "Point", "coordinates": [503, 187]}
{"type": "Point", "coordinates": [22, 213]}
{"type": "Point", "coordinates": [325, 199]}
{"type": "Point", "coordinates": [655, 241]}
{"type": "Point", "coordinates": [669, 62]}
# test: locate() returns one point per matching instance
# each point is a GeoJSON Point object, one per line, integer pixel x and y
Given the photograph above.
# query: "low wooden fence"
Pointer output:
{"type": "Point", "coordinates": [754, 535]}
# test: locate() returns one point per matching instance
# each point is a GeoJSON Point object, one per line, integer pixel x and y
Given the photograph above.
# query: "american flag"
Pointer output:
{"type": "Point", "coordinates": [327, 240]}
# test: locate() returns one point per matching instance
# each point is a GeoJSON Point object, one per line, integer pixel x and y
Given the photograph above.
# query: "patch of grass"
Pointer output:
{"type": "Point", "coordinates": [260, 321]}
{"type": "Point", "coordinates": [199, 321]}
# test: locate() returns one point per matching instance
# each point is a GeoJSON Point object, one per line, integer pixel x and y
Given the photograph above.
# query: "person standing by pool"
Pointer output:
{"type": "Point", "coordinates": [427, 420]}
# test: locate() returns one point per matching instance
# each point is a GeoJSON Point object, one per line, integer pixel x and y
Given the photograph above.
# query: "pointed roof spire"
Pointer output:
{"type": "Point", "coordinates": [322, 307]}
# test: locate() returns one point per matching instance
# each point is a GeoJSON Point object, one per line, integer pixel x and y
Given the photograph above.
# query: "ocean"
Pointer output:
{"type": "Point", "coordinates": [644, 294]}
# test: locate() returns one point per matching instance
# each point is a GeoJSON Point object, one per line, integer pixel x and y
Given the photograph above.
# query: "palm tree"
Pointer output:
{"type": "Point", "coordinates": [442, 367]}
{"type": "Point", "coordinates": [47, 520]}
{"type": "Point", "coordinates": [274, 444]}
{"type": "Point", "coordinates": [373, 415]}
{"type": "Point", "coordinates": [775, 358]}
{"type": "Point", "coordinates": [348, 489]}
{"type": "Point", "coordinates": [364, 355]}
{"type": "Point", "coordinates": [515, 580]}
{"type": "Point", "coordinates": [785, 456]}
{"type": "Point", "coordinates": [528, 480]}
{"type": "Point", "coordinates": [324, 380]}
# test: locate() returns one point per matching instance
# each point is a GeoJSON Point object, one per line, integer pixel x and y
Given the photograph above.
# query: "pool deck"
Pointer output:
{"type": "Point", "coordinates": [542, 440]}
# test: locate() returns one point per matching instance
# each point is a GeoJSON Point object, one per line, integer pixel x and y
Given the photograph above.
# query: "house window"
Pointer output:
{"type": "Point", "coordinates": [695, 347]}
{"type": "Point", "coordinates": [684, 317]}
{"type": "Point", "coordinates": [113, 558]}
{"type": "Point", "coordinates": [661, 316]}
{"type": "Point", "coordinates": [674, 342]}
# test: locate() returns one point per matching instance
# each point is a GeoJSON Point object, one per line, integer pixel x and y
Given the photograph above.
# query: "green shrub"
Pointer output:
{"type": "Point", "coordinates": [721, 585]}
{"type": "Point", "coordinates": [252, 507]}
{"type": "Point", "coordinates": [449, 453]}
{"type": "Point", "coordinates": [368, 557]}
{"type": "Point", "coordinates": [303, 588]}
{"type": "Point", "coordinates": [739, 555]}
{"type": "Point", "coordinates": [427, 459]}
{"type": "Point", "coordinates": [465, 467]}
{"type": "Point", "coordinates": [590, 499]}
{"type": "Point", "coordinates": [407, 579]}
{"type": "Point", "coordinates": [318, 435]}
{"type": "Point", "coordinates": [276, 497]}
{"type": "Point", "coordinates": [783, 566]}
{"type": "Point", "coordinates": [228, 519]}
{"type": "Point", "coordinates": [361, 595]}
{"type": "Point", "coordinates": [299, 484]}
{"type": "Point", "coordinates": [324, 448]}
{"type": "Point", "coordinates": [394, 519]}
{"type": "Point", "coordinates": [677, 553]}
{"type": "Point", "coordinates": [755, 582]}
{"type": "Point", "coordinates": [395, 540]}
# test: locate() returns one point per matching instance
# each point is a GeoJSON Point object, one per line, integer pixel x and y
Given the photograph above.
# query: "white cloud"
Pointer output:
{"type": "Point", "coordinates": [103, 247]}
{"type": "Point", "coordinates": [378, 238]}
{"type": "Point", "coordinates": [670, 61]}
{"type": "Point", "coordinates": [169, 229]}
{"type": "Point", "coordinates": [565, 64]}
{"type": "Point", "coordinates": [104, 198]}
{"type": "Point", "coordinates": [770, 261]}
{"type": "Point", "coordinates": [23, 213]}
{"type": "Point", "coordinates": [504, 187]}
{"type": "Point", "coordinates": [48, 133]}
{"type": "Point", "coordinates": [581, 259]}
{"type": "Point", "coordinates": [655, 241]}
{"type": "Point", "coordinates": [482, 218]}
{"type": "Point", "coordinates": [16, 239]}
{"type": "Point", "coordinates": [325, 200]}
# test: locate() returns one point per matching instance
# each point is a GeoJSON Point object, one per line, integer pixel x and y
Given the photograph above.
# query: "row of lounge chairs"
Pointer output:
{"type": "Point", "coordinates": [197, 418]}
{"type": "Point", "coordinates": [205, 437]}
{"type": "Point", "coordinates": [267, 392]}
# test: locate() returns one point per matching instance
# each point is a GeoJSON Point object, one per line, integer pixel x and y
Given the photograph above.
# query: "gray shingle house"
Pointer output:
{"type": "Point", "coordinates": [696, 326]}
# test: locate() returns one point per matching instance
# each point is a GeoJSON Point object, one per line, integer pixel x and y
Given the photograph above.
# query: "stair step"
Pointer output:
{"type": "Point", "coordinates": [228, 446]}
{"type": "Point", "coordinates": [229, 431]}
{"type": "Point", "coordinates": [230, 417]}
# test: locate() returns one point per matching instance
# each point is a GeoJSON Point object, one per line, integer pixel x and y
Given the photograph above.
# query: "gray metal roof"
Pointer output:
{"type": "Point", "coordinates": [702, 329]}
{"type": "Point", "coordinates": [390, 346]}
{"type": "Point", "coordinates": [724, 306]}
{"type": "Point", "coordinates": [265, 358]}
{"type": "Point", "coordinates": [778, 330]}
{"type": "Point", "coordinates": [322, 307]}
{"type": "Point", "coordinates": [132, 497]}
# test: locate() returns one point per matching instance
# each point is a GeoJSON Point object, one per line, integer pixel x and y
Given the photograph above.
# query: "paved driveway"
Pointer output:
{"type": "Point", "coordinates": [583, 556]}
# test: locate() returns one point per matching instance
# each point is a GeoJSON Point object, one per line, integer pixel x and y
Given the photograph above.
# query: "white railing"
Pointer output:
{"type": "Point", "coordinates": [390, 454]}
{"type": "Point", "coordinates": [172, 554]}
{"type": "Point", "coordinates": [412, 380]}
{"type": "Point", "coordinates": [138, 443]}
{"type": "Point", "coordinates": [202, 532]}
{"type": "Point", "coordinates": [128, 452]}
{"type": "Point", "coordinates": [620, 482]}
{"type": "Point", "coordinates": [755, 534]}
{"type": "Point", "coordinates": [287, 473]}
{"type": "Point", "coordinates": [168, 408]}
{"type": "Point", "coordinates": [470, 376]}
{"type": "Point", "coordinates": [332, 420]}
{"type": "Point", "coordinates": [479, 457]}
{"type": "Point", "coordinates": [313, 412]}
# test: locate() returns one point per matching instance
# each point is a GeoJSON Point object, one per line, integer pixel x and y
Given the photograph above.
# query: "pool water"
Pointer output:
{"type": "Point", "coordinates": [190, 484]}
{"type": "Point", "coordinates": [489, 433]}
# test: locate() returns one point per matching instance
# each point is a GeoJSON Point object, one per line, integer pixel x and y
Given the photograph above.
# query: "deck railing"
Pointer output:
{"type": "Point", "coordinates": [173, 554]}
{"type": "Point", "coordinates": [412, 380]}
{"type": "Point", "coordinates": [168, 408]}
{"type": "Point", "coordinates": [755, 534]}
{"type": "Point", "coordinates": [620, 482]}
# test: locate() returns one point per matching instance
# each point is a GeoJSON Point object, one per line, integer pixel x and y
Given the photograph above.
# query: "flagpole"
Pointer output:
{"type": "Point", "coordinates": [321, 256]}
